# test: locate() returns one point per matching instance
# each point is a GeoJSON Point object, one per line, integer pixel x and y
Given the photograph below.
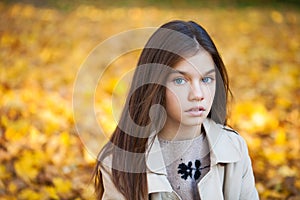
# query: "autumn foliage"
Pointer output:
{"type": "Point", "coordinates": [42, 49]}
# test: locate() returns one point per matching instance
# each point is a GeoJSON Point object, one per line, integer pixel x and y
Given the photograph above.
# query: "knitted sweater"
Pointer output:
{"type": "Point", "coordinates": [187, 162]}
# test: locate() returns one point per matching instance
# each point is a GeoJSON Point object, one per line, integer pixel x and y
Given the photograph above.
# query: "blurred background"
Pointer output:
{"type": "Point", "coordinates": [44, 43]}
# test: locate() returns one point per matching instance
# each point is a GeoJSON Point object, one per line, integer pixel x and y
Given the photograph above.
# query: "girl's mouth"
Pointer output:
{"type": "Point", "coordinates": [196, 111]}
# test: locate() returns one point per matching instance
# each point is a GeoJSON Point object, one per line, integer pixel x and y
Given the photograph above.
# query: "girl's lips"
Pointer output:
{"type": "Point", "coordinates": [196, 111]}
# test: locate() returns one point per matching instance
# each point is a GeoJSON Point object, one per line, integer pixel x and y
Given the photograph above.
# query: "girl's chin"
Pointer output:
{"type": "Point", "coordinates": [192, 122]}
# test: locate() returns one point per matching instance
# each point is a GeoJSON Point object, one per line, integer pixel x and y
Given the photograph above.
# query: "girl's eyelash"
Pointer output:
{"type": "Point", "coordinates": [179, 80]}
{"type": "Point", "coordinates": [207, 79]}
{"type": "Point", "coordinates": [182, 80]}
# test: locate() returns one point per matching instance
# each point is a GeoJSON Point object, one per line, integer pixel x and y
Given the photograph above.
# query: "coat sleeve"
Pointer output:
{"type": "Point", "coordinates": [110, 191]}
{"type": "Point", "coordinates": [248, 190]}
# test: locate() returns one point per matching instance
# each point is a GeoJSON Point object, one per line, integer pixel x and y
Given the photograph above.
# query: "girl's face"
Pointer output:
{"type": "Point", "coordinates": [190, 90]}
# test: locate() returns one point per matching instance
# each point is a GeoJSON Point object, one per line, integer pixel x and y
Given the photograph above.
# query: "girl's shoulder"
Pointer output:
{"type": "Point", "coordinates": [230, 135]}
{"type": "Point", "coordinates": [236, 138]}
{"type": "Point", "coordinates": [224, 135]}
{"type": "Point", "coordinates": [229, 129]}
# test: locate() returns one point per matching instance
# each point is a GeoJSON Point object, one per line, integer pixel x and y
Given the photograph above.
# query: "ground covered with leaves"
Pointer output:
{"type": "Point", "coordinates": [42, 49]}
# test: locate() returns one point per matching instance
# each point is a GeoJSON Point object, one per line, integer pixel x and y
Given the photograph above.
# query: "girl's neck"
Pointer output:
{"type": "Point", "coordinates": [180, 133]}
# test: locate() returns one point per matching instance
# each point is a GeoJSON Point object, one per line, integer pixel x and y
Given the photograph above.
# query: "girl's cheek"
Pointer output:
{"type": "Point", "coordinates": [181, 94]}
{"type": "Point", "coordinates": [211, 95]}
{"type": "Point", "coordinates": [210, 91]}
{"type": "Point", "coordinates": [177, 97]}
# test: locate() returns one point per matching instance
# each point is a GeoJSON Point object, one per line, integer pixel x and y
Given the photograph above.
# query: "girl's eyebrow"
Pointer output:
{"type": "Point", "coordinates": [186, 73]}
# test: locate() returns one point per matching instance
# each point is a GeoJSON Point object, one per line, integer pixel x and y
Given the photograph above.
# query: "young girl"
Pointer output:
{"type": "Point", "coordinates": [172, 141]}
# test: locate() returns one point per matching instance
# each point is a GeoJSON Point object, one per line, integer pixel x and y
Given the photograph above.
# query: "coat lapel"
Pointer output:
{"type": "Point", "coordinates": [154, 158]}
{"type": "Point", "coordinates": [156, 170]}
{"type": "Point", "coordinates": [222, 150]}
{"type": "Point", "coordinates": [210, 186]}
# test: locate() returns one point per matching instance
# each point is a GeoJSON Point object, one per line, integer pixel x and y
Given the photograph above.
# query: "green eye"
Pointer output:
{"type": "Point", "coordinates": [179, 81]}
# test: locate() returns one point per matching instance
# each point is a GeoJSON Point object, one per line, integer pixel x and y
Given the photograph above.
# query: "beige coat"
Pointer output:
{"type": "Point", "coordinates": [230, 176]}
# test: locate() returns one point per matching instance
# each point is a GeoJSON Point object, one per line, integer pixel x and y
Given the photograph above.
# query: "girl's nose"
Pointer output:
{"type": "Point", "coordinates": [196, 92]}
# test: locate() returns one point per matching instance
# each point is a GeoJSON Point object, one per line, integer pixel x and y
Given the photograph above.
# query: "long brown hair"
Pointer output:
{"type": "Point", "coordinates": [141, 116]}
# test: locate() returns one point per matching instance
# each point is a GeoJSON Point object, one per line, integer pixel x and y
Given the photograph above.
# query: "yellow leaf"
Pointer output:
{"type": "Point", "coordinates": [280, 137]}
{"type": "Point", "coordinates": [17, 130]}
{"type": "Point", "coordinates": [7, 39]}
{"type": "Point", "coordinates": [254, 117]}
{"type": "Point", "coordinates": [36, 138]}
{"type": "Point", "coordinates": [4, 120]}
{"type": "Point", "coordinates": [28, 165]}
{"type": "Point", "coordinates": [12, 188]}
{"type": "Point", "coordinates": [4, 174]}
{"type": "Point", "coordinates": [62, 186]}
{"type": "Point", "coordinates": [51, 192]}
{"type": "Point", "coordinates": [277, 17]}
{"type": "Point", "coordinates": [65, 138]}
{"type": "Point", "coordinates": [287, 171]}
{"type": "Point", "coordinates": [275, 156]}
{"type": "Point", "coordinates": [29, 194]}
{"type": "Point", "coordinates": [283, 102]}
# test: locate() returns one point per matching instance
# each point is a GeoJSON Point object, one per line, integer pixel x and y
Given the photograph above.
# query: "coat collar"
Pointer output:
{"type": "Point", "coordinates": [223, 149]}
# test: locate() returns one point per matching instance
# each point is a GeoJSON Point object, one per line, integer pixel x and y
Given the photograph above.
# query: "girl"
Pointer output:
{"type": "Point", "coordinates": [172, 141]}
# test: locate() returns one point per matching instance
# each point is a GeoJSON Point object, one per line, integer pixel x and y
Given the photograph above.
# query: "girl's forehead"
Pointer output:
{"type": "Point", "coordinates": [202, 63]}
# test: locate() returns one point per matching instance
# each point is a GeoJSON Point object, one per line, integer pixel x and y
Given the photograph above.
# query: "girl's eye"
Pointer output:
{"type": "Point", "coordinates": [179, 81]}
{"type": "Point", "coordinates": [207, 80]}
